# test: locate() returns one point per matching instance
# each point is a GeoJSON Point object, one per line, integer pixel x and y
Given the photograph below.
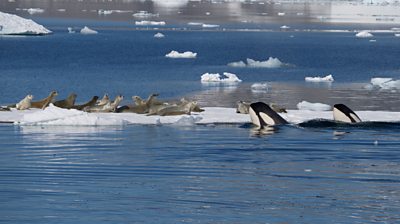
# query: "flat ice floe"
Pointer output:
{"type": "Point", "coordinates": [12, 24]}
{"type": "Point", "coordinates": [54, 116]}
{"type": "Point", "coordinates": [176, 54]}
{"type": "Point", "coordinates": [270, 63]}
{"type": "Point", "coordinates": [328, 78]}
{"type": "Point", "coordinates": [216, 77]}
{"type": "Point", "coordinates": [159, 35]}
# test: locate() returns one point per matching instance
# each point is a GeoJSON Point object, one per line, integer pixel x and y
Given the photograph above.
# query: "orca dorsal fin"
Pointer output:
{"type": "Point", "coordinates": [262, 115]}
{"type": "Point", "coordinates": [343, 113]}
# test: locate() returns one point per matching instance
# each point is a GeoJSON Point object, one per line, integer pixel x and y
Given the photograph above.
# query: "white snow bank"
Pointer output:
{"type": "Point", "coordinates": [54, 116]}
{"type": "Point", "coordinates": [176, 54]}
{"type": "Point", "coordinates": [328, 78]}
{"type": "Point", "coordinates": [149, 23]}
{"type": "Point", "coordinates": [87, 30]}
{"type": "Point", "coordinates": [385, 83]}
{"type": "Point", "coordinates": [159, 35]}
{"type": "Point", "coordinates": [12, 24]}
{"type": "Point", "coordinates": [304, 105]}
{"type": "Point", "coordinates": [270, 63]}
{"type": "Point", "coordinates": [364, 34]}
{"type": "Point", "coordinates": [216, 77]}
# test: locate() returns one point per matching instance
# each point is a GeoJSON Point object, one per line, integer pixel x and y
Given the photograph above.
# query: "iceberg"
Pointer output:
{"type": "Point", "coordinates": [15, 25]}
{"type": "Point", "coordinates": [270, 63]}
{"type": "Point", "coordinates": [176, 54]}
{"type": "Point", "coordinates": [216, 77]}
{"type": "Point", "coordinates": [87, 30]}
{"type": "Point", "coordinates": [159, 35]}
{"type": "Point", "coordinates": [328, 78]}
{"type": "Point", "coordinates": [304, 105]}
{"type": "Point", "coordinates": [385, 83]}
{"type": "Point", "coordinates": [364, 34]}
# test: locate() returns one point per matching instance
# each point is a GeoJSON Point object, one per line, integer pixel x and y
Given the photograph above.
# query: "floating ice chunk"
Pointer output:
{"type": "Point", "coordinates": [195, 24]}
{"type": "Point", "coordinates": [385, 83]}
{"type": "Point", "coordinates": [104, 12]}
{"type": "Point", "coordinates": [304, 105]}
{"type": "Point", "coordinates": [216, 77]}
{"type": "Point", "coordinates": [260, 87]}
{"type": "Point", "coordinates": [284, 27]}
{"type": "Point", "coordinates": [12, 24]}
{"type": "Point", "coordinates": [70, 30]}
{"type": "Point", "coordinates": [364, 34]}
{"type": "Point", "coordinates": [159, 35]}
{"type": "Point", "coordinates": [328, 78]}
{"type": "Point", "coordinates": [270, 63]}
{"type": "Point", "coordinates": [209, 25]}
{"type": "Point", "coordinates": [144, 14]}
{"type": "Point", "coordinates": [87, 30]}
{"type": "Point", "coordinates": [380, 81]}
{"type": "Point", "coordinates": [34, 10]}
{"type": "Point", "coordinates": [176, 54]}
{"type": "Point", "coordinates": [239, 64]}
{"type": "Point", "coordinates": [397, 34]}
{"type": "Point", "coordinates": [149, 23]}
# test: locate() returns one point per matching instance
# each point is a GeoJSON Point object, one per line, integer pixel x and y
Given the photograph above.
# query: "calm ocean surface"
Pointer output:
{"type": "Point", "coordinates": [202, 173]}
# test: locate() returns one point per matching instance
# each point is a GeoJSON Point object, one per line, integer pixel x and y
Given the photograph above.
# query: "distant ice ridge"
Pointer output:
{"type": "Point", "coordinates": [364, 34]}
{"type": "Point", "coordinates": [216, 77]}
{"type": "Point", "coordinates": [149, 23]}
{"type": "Point", "coordinates": [304, 105]}
{"type": "Point", "coordinates": [12, 24]}
{"type": "Point", "coordinates": [87, 30]}
{"type": "Point", "coordinates": [176, 54]}
{"type": "Point", "coordinates": [328, 78]}
{"type": "Point", "coordinates": [270, 63]}
{"type": "Point", "coordinates": [159, 35]}
{"type": "Point", "coordinates": [385, 83]}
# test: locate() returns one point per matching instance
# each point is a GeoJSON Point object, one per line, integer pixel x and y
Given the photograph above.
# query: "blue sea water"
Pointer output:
{"type": "Point", "coordinates": [201, 173]}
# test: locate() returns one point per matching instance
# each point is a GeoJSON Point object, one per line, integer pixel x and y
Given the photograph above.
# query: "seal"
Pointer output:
{"type": "Point", "coordinates": [262, 115]}
{"type": "Point", "coordinates": [41, 104]}
{"type": "Point", "coordinates": [109, 107]}
{"type": "Point", "coordinates": [170, 110]}
{"type": "Point", "coordinates": [140, 106]}
{"type": "Point", "coordinates": [104, 100]}
{"type": "Point", "coordinates": [67, 103]}
{"type": "Point", "coordinates": [196, 108]}
{"type": "Point", "coordinates": [342, 113]}
{"type": "Point", "coordinates": [24, 103]}
{"type": "Point", "coordinates": [90, 103]}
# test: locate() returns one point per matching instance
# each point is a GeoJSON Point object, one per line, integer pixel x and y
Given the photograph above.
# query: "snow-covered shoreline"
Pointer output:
{"type": "Point", "coordinates": [54, 116]}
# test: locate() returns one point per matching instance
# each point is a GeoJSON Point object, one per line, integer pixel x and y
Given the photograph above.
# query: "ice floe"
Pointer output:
{"type": "Point", "coordinates": [87, 30]}
{"type": "Point", "coordinates": [54, 116]}
{"type": "Point", "coordinates": [210, 25]}
{"type": "Point", "coordinates": [159, 35]}
{"type": "Point", "coordinates": [144, 14]}
{"type": "Point", "coordinates": [328, 78]}
{"type": "Point", "coordinates": [12, 24]}
{"type": "Point", "coordinates": [176, 54]}
{"type": "Point", "coordinates": [364, 34]}
{"type": "Point", "coordinates": [270, 63]}
{"type": "Point", "coordinates": [259, 87]}
{"type": "Point", "coordinates": [34, 10]}
{"type": "Point", "coordinates": [149, 23]}
{"type": "Point", "coordinates": [304, 105]}
{"type": "Point", "coordinates": [216, 77]}
{"type": "Point", "coordinates": [385, 83]}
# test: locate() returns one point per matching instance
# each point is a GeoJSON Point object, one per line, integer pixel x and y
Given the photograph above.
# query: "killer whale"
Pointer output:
{"type": "Point", "coordinates": [344, 114]}
{"type": "Point", "coordinates": [262, 115]}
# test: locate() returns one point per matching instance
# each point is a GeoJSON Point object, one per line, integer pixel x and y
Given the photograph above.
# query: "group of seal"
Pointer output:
{"type": "Point", "coordinates": [150, 106]}
{"type": "Point", "coordinates": [263, 115]}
